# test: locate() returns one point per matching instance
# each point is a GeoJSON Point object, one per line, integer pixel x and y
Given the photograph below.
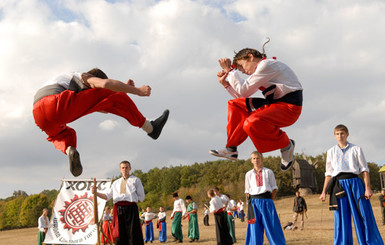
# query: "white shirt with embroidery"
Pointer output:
{"type": "Point", "coordinates": [351, 159]}
{"type": "Point", "coordinates": [268, 178]}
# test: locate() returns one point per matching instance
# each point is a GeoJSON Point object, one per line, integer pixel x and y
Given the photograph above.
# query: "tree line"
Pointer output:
{"type": "Point", "coordinates": [23, 210]}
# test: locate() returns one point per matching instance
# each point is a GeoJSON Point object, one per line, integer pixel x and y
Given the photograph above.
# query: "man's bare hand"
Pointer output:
{"type": "Point", "coordinates": [225, 64]}
{"type": "Point", "coordinates": [222, 78]}
{"type": "Point", "coordinates": [130, 82]}
{"type": "Point", "coordinates": [144, 90]}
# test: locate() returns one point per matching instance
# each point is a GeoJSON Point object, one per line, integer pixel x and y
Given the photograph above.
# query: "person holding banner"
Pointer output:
{"type": "Point", "coordinates": [125, 192]}
{"type": "Point", "coordinates": [71, 96]}
{"type": "Point", "coordinates": [43, 224]}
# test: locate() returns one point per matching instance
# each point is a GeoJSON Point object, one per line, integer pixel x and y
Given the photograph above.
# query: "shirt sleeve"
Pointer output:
{"type": "Point", "coordinates": [328, 165]}
{"type": "Point", "coordinates": [247, 183]}
{"type": "Point", "coordinates": [273, 182]}
{"type": "Point", "coordinates": [212, 207]}
{"type": "Point", "coordinates": [246, 88]}
{"type": "Point", "coordinates": [363, 165]}
{"type": "Point", "coordinates": [183, 205]}
{"type": "Point", "coordinates": [139, 190]}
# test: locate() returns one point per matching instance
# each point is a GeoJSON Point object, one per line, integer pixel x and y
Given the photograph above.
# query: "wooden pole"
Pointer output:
{"type": "Point", "coordinates": [96, 219]}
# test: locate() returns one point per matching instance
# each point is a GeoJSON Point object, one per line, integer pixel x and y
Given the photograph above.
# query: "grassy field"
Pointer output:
{"type": "Point", "coordinates": [319, 226]}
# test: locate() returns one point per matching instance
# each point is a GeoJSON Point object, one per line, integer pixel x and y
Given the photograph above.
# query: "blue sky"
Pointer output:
{"type": "Point", "coordinates": [334, 47]}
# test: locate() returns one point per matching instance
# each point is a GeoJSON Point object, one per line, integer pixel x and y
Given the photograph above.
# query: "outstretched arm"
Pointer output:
{"type": "Point", "coordinates": [117, 86]}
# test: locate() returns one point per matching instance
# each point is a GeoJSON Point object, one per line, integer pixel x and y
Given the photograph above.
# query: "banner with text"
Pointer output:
{"type": "Point", "coordinates": [72, 220]}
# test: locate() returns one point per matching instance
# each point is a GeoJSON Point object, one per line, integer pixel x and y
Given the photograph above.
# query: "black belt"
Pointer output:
{"type": "Point", "coordinates": [265, 195]}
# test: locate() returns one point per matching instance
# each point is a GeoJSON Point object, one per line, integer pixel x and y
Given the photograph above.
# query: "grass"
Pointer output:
{"type": "Point", "coordinates": [319, 226]}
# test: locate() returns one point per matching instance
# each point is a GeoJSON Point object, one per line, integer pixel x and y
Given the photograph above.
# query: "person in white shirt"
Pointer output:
{"type": "Point", "coordinates": [261, 119]}
{"type": "Point", "coordinates": [221, 227]}
{"type": "Point", "coordinates": [71, 96]}
{"type": "Point", "coordinates": [241, 211]}
{"type": "Point", "coordinates": [261, 188]}
{"type": "Point", "coordinates": [348, 195]}
{"type": "Point", "coordinates": [126, 192]}
{"type": "Point", "coordinates": [162, 226]}
{"type": "Point", "coordinates": [231, 207]}
{"type": "Point", "coordinates": [43, 224]}
{"type": "Point", "coordinates": [177, 213]}
{"type": "Point", "coordinates": [148, 216]}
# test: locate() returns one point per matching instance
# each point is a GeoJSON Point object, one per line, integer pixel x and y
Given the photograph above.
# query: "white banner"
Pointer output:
{"type": "Point", "coordinates": [72, 221]}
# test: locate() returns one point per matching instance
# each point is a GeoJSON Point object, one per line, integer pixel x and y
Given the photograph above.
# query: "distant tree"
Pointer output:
{"type": "Point", "coordinates": [11, 213]}
{"type": "Point", "coordinates": [32, 208]}
{"type": "Point", "coordinates": [19, 193]}
{"type": "Point", "coordinates": [374, 176]}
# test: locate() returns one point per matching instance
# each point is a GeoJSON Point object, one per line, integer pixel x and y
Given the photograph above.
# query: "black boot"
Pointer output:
{"type": "Point", "coordinates": [75, 165]}
{"type": "Point", "coordinates": [158, 125]}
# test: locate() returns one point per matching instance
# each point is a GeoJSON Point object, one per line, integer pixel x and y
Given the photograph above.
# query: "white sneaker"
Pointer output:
{"type": "Point", "coordinates": [287, 157]}
{"type": "Point", "coordinates": [232, 155]}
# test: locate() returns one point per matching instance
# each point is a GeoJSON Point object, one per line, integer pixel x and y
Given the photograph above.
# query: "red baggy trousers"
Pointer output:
{"type": "Point", "coordinates": [262, 125]}
{"type": "Point", "coordinates": [53, 112]}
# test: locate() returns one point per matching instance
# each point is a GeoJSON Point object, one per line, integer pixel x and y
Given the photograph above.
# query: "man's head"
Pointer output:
{"type": "Point", "coordinates": [246, 60]}
{"type": "Point", "coordinates": [210, 193]}
{"type": "Point", "coordinates": [161, 209]}
{"type": "Point", "coordinates": [188, 199]}
{"type": "Point", "coordinates": [96, 72]}
{"type": "Point", "coordinates": [216, 191]}
{"type": "Point", "coordinates": [257, 159]}
{"type": "Point", "coordinates": [297, 193]}
{"type": "Point", "coordinates": [341, 134]}
{"type": "Point", "coordinates": [125, 168]}
{"type": "Point", "coordinates": [148, 209]}
{"type": "Point", "coordinates": [175, 195]}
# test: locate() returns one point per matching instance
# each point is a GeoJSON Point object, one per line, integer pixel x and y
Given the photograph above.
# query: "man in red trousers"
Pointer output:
{"type": "Point", "coordinates": [73, 95]}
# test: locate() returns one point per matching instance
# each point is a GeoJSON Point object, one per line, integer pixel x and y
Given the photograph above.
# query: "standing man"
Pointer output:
{"type": "Point", "coordinates": [176, 217]}
{"type": "Point", "coordinates": [261, 188]}
{"type": "Point", "coordinates": [71, 96]}
{"type": "Point", "coordinates": [300, 208]}
{"type": "Point", "coordinates": [126, 192]}
{"type": "Point", "coordinates": [192, 215]}
{"type": "Point", "coordinates": [382, 203]}
{"type": "Point", "coordinates": [349, 195]}
{"type": "Point", "coordinates": [221, 227]}
{"type": "Point", "coordinates": [43, 224]}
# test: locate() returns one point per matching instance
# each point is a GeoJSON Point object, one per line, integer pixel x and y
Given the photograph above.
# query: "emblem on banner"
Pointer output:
{"type": "Point", "coordinates": [78, 213]}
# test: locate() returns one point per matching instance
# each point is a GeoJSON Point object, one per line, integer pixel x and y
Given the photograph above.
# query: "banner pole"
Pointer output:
{"type": "Point", "coordinates": [96, 219]}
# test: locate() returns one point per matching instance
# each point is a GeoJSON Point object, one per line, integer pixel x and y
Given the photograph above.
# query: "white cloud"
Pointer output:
{"type": "Point", "coordinates": [108, 125]}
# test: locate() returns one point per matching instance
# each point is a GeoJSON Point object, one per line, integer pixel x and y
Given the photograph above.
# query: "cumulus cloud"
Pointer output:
{"type": "Point", "coordinates": [335, 48]}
